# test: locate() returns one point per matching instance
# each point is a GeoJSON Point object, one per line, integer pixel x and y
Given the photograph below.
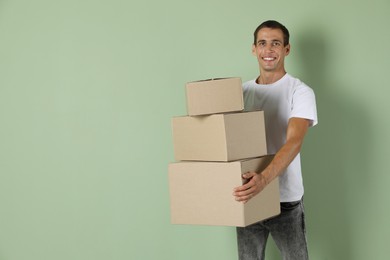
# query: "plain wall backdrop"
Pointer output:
{"type": "Point", "coordinates": [87, 92]}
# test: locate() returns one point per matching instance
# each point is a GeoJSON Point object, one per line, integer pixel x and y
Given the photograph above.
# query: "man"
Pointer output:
{"type": "Point", "coordinates": [290, 109]}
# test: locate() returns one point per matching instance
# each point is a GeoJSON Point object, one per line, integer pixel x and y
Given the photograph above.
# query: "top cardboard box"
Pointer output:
{"type": "Point", "coordinates": [214, 96]}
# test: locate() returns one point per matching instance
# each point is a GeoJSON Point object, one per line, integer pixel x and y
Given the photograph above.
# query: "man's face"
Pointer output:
{"type": "Point", "coordinates": [270, 50]}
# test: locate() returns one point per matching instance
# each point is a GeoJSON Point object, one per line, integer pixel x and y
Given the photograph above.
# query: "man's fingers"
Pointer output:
{"type": "Point", "coordinates": [245, 198]}
{"type": "Point", "coordinates": [244, 194]}
{"type": "Point", "coordinates": [248, 184]}
{"type": "Point", "coordinates": [248, 175]}
{"type": "Point", "coordinates": [244, 187]}
{"type": "Point", "coordinates": [248, 190]}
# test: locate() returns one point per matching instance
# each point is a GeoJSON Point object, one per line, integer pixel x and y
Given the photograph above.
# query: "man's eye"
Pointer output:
{"type": "Point", "coordinates": [276, 43]}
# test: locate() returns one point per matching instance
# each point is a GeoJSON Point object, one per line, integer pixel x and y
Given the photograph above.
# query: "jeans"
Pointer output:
{"type": "Point", "coordinates": [287, 230]}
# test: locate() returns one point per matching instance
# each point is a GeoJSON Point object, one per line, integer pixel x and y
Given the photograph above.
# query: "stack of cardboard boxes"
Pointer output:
{"type": "Point", "coordinates": [214, 145]}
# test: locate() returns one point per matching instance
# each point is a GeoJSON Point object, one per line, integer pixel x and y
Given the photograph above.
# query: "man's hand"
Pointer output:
{"type": "Point", "coordinates": [256, 183]}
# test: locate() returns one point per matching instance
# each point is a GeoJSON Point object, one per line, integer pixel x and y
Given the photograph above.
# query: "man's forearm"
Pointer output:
{"type": "Point", "coordinates": [296, 130]}
{"type": "Point", "coordinates": [282, 160]}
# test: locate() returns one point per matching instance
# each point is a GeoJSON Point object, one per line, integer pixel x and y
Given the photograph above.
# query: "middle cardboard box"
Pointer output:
{"type": "Point", "coordinates": [219, 137]}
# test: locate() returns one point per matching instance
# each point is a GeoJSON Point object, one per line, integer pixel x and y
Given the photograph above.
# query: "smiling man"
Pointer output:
{"type": "Point", "coordinates": [290, 109]}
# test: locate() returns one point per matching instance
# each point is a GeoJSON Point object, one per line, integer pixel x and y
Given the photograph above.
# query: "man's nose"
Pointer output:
{"type": "Point", "coordinates": [269, 47]}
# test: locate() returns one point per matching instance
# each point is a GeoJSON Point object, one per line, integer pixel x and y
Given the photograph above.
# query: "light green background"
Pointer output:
{"type": "Point", "coordinates": [87, 91]}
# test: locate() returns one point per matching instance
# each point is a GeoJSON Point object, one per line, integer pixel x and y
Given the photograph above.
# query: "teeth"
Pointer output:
{"type": "Point", "coordinates": [268, 59]}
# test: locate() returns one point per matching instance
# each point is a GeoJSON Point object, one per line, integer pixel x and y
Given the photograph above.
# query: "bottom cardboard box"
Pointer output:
{"type": "Point", "coordinates": [201, 193]}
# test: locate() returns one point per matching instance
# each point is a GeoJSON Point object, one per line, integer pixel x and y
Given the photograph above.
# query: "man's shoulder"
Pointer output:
{"type": "Point", "coordinates": [296, 83]}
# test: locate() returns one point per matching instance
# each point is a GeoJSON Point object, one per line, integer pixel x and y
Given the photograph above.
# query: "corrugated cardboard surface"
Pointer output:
{"type": "Point", "coordinates": [214, 96]}
{"type": "Point", "coordinates": [201, 193]}
{"type": "Point", "coordinates": [219, 137]}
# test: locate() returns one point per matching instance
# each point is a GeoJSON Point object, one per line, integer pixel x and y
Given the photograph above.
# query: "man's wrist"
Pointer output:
{"type": "Point", "coordinates": [264, 176]}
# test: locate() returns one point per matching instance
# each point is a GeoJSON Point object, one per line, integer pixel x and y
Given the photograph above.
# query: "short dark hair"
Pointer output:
{"type": "Point", "coordinates": [273, 25]}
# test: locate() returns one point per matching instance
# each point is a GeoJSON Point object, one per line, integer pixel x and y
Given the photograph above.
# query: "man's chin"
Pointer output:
{"type": "Point", "coordinates": [269, 69]}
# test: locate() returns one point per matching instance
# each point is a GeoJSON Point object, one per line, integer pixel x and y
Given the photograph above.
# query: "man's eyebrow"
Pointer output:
{"type": "Point", "coordinates": [274, 40]}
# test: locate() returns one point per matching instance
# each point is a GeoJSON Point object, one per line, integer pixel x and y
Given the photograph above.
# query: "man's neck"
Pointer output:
{"type": "Point", "coordinates": [266, 78]}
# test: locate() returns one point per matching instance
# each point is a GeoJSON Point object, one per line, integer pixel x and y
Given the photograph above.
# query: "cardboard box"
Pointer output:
{"type": "Point", "coordinates": [201, 193]}
{"type": "Point", "coordinates": [214, 96]}
{"type": "Point", "coordinates": [219, 137]}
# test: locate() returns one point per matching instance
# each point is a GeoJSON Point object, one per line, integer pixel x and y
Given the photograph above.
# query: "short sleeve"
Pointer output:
{"type": "Point", "coordinates": [304, 104]}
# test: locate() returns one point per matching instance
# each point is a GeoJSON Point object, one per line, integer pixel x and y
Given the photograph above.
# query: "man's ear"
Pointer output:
{"type": "Point", "coordinates": [254, 50]}
{"type": "Point", "coordinates": [288, 48]}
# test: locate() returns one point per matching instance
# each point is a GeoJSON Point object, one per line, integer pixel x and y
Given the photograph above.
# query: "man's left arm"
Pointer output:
{"type": "Point", "coordinates": [296, 130]}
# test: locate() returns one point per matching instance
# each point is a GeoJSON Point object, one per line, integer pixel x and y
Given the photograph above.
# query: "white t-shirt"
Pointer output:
{"type": "Point", "coordinates": [280, 101]}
